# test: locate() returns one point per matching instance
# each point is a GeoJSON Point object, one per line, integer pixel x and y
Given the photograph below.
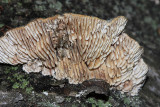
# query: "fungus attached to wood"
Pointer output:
{"type": "Point", "coordinates": [78, 48]}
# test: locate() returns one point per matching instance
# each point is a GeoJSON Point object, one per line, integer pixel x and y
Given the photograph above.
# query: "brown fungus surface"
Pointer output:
{"type": "Point", "coordinates": [78, 48]}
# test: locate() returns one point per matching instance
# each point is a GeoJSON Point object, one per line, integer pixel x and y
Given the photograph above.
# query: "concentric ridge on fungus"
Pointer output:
{"type": "Point", "coordinates": [78, 48]}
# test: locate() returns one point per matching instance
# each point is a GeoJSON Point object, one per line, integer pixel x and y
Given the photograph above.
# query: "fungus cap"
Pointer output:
{"type": "Point", "coordinates": [78, 48]}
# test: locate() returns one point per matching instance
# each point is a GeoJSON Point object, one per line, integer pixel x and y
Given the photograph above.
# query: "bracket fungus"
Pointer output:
{"type": "Point", "coordinates": [78, 48]}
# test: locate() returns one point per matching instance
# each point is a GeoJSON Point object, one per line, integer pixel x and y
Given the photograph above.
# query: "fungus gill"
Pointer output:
{"type": "Point", "coordinates": [78, 48]}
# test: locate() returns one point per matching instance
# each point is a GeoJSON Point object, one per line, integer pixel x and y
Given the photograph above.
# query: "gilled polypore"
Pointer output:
{"type": "Point", "coordinates": [78, 48]}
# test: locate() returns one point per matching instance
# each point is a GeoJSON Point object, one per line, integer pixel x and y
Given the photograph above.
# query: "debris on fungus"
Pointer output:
{"type": "Point", "coordinates": [78, 48]}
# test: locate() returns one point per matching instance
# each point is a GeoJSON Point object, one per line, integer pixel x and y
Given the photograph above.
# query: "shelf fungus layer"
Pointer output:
{"type": "Point", "coordinates": [78, 48]}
